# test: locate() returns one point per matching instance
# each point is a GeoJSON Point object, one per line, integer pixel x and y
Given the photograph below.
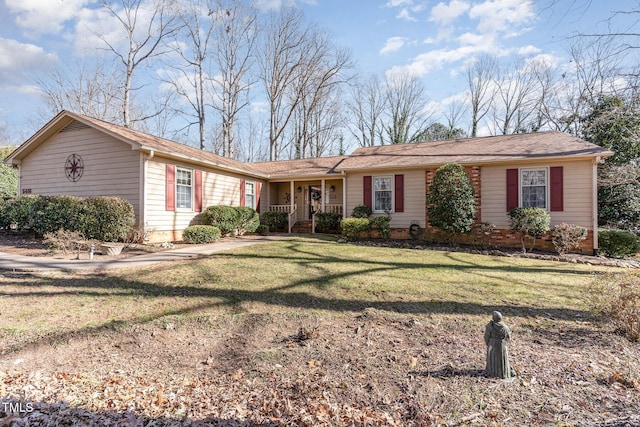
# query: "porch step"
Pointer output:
{"type": "Point", "coordinates": [303, 227]}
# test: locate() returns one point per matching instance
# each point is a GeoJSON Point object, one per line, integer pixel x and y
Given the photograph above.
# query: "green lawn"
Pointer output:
{"type": "Point", "coordinates": [314, 274]}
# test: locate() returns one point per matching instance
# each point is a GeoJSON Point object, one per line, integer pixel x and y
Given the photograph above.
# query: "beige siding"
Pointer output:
{"type": "Point", "coordinates": [414, 196]}
{"type": "Point", "coordinates": [111, 168]}
{"type": "Point", "coordinates": [578, 197]}
{"type": "Point", "coordinates": [218, 188]}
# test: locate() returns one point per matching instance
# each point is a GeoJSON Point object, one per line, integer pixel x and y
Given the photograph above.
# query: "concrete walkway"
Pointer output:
{"type": "Point", "coordinates": [14, 262]}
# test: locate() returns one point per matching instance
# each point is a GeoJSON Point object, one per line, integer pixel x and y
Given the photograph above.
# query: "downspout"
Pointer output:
{"type": "Point", "coordinates": [18, 165]}
{"type": "Point", "coordinates": [594, 213]}
{"type": "Point", "coordinates": [143, 190]}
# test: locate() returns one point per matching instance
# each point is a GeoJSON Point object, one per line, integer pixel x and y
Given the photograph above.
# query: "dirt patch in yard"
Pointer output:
{"type": "Point", "coordinates": [373, 368]}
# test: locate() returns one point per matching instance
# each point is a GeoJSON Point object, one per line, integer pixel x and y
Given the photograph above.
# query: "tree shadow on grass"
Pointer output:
{"type": "Point", "coordinates": [298, 293]}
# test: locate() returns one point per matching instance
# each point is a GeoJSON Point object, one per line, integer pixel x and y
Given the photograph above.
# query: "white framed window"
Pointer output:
{"type": "Point", "coordinates": [382, 193]}
{"type": "Point", "coordinates": [534, 188]}
{"type": "Point", "coordinates": [250, 194]}
{"type": "Point", "coordinates": [184, 188]}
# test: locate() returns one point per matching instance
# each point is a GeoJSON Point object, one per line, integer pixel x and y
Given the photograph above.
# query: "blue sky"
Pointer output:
{"type": "Point", "coordinates": [432, 39]}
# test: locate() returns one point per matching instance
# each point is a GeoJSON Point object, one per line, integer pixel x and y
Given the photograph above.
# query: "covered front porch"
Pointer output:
{"type": "Point", "coordinates": [302, 199]}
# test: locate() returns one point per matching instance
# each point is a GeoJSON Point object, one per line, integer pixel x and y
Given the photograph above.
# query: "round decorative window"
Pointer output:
{"type": "Point", "coordinates": [74, 167]}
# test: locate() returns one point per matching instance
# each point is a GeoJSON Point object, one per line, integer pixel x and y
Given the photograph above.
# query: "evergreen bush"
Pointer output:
{"type": "Point", "coordinates": [226, 218]}
{"type": "Point", "coordinates": [451, 204]}
{"type": "Point", "coordinates": [382, 224]}
{"type": "Point", "coordinates": [532, 222]}
{"type": "Point", "coordinates": [354, 228]}
{"type": "Point", "coordinates": [248, 219]}
{"type": "Point", "coordinates": [361, 211]}
{"type": "Point", "coordinates": [48, 214]}
{"type": "Point", "coordinates": [328, 222]}
{"type": "Point", "coordinates": [617, 243]}
{"type": "Point", "coordinates": [199, 234]}
{"type": "Point", "coordinates": [106, 218]}
{"type": "Point", "coordinates": [276, 221]}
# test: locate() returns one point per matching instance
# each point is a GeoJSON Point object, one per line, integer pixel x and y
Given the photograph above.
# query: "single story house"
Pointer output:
{"type": "Point", "coordinates": [169, 183]}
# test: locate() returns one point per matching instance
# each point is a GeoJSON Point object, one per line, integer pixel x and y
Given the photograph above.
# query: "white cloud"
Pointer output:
{"type": "Point", "coordinates": [510, 17]}
{"type": "Point", "coordinates": [404, 14]}
{"type": "Point", "coordinates": [396, 3]}
{"type": "Point", "coordinates": [547, 59]}
{"type": "Point", "coordinates": [528, 50]}
{"type": "Point", "coordinates": [17, 57]}
{"type": "Point", "coordinates": [45, 16]}
{"type": "Point", "coordinates": [446, 13]}
{"type": "Point", "coordinates": [393, 44]}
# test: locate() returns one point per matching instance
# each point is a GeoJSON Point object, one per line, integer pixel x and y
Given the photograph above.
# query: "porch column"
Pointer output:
{"type": "Point", "coordinates": [292, 197]}
{"type": "Point", "coordinates": [323, 205]}
{"type": "Point", "coordinates": [344, 196]}
{"type": "Point", "coordinates": [291, 204]}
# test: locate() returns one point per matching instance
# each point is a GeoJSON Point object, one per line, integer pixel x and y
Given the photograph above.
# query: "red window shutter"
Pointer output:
{"type": "Point", "coordinates": [243, 190]}
{"type": "Point", "coordinates": [366, 189]}
{"type": "Point", "coordinates": [399, 193]}
{"type": "Point", "coordinates": [512, 189]}
{"type": "Point", "coordinates": [198, 190]}
{"type": "Point", "coordinates": [557, 189]}
{"type": "Point", "coordinates": [258, 188]}
{"type": "Point", "coordinates": [170, 188]}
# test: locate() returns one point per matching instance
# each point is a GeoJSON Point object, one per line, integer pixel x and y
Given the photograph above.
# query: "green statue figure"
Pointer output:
{"type": "Point", "coordinates": [497, 336]}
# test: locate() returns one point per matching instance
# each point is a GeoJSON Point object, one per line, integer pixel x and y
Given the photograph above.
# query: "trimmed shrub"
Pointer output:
{"type": "Point", "coordinates": [451, 200]}
{"type": "Point", "coordinates": [15, 212]}
{"type": "Point", "coordinates": [276, 221]}
{"type": "Point", "coordinates": [382, 224]}
{"type": "Point", "coordinates": [48, 214]}
{"type": "Point", "coordinates": [328, 222]}
{"type": "Point", "coordinates": [361, 211]}
{"type": "Point", "coordinates": [567, 237]}
{"type": "Point", "coordinates": [354, 228]}
{"type": "Point", "coordinates": [262, 230]}
{"type": "Point", "coordinates": [532, 222]}
{"type": "Point", "coordinates": [248, 219]}
{"type": "Point", "coordinates": [105, 218]}
{"type": "Point", "coordinates": [615, 298]}
{"type": "Point", "coordinates": [201, 234]}
{"type": "Point", "coordinates": [617, 243]}
{"type": "Point", "coordinates": [224, 217]}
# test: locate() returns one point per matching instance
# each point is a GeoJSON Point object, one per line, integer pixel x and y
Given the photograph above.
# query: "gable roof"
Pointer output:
{"type": "Point", "coordinates": [139, 141]}
{"type": "Point", "coordinates": [478, 151]}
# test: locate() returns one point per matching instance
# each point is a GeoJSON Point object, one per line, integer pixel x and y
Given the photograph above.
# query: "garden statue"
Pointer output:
{"type": "Point", "coordinates": [497, 336]}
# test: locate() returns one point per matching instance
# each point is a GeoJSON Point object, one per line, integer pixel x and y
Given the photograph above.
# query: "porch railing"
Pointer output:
{"type": "Point", "coordinates": [282, 208]}
{"type": "Point", "coordinates": [293, 217]}
{"type": "Point", "coordinates": [333, 208]}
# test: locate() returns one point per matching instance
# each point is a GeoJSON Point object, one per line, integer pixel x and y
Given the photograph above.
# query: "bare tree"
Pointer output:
{"type": "Point", "coordinates": [514, 102]}
{"type": "Point", "coordinates": [236, 32]}
{"type": "Point", "coordinates": [366, 108]}
{"type": "Point", "coordinates": [281, 57]}
{"type": "Point", "coordinates": [406, 108]}
{"type": "Point", "coordinates": [321, 75]}
{"type": "Point", "coordinates": [480, 81]}
{"type": "Point", "coordinates": [188, 79]}
{"type": "Point", "coordinates": [84, 87]}
{"type": "Point", "coordinates": [145, 29]}
{"type": "Point", "coordinates": [453, 117]}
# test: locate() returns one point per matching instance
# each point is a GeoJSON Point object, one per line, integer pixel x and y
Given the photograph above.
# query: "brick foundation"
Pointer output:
{"type": "Point", "coordinates": [489, 239]}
